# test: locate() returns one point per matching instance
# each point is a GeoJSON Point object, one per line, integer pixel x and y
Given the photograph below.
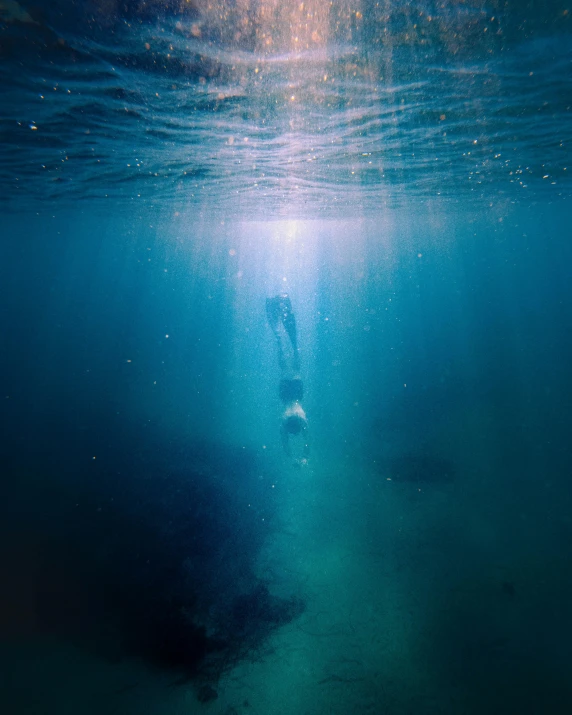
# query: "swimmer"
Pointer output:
{"type": "Point", "coordinates": [291, 389]}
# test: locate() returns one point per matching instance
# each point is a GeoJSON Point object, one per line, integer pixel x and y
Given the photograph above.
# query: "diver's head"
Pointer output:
{"type": "Point", "coordinates": [294, 424]}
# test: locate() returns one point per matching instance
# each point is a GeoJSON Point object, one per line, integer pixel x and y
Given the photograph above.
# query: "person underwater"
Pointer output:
{"type": "Point", "coordinates": [291, 389]}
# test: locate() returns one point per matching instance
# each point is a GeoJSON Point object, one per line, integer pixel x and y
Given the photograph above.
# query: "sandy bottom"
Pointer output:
{"type": "Point", "coordinates": [420, 599]}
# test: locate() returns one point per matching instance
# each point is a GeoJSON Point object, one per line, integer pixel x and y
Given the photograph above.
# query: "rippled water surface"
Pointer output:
{"type": "Point", "coordinates": [273, 108]}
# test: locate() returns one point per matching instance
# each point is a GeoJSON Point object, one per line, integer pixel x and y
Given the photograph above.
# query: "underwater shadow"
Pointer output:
{"type": "Point", "coordinates": [142, 559]}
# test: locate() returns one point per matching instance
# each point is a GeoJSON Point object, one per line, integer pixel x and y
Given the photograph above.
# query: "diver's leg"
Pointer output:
{"type": "Point", "coordinates": [288, 319]}
{"type": "Point", "coordinates": [273, 312]}
{"type": "Point", "coordinates": [289, 322]}
{"type": "Point", "coordinates": [281, 358]}
{"type": "Point", "coordinates": [290, 326]}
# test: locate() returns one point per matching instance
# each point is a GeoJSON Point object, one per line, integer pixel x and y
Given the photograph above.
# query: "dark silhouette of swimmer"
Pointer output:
{"type": "Point", "coordinates": [291, 389]}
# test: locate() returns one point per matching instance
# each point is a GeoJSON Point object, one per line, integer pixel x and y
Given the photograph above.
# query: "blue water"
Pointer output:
{"type": "Point", "coordinates": [286, 111]}
{"type": "Point", "coordinates": [401, 170]}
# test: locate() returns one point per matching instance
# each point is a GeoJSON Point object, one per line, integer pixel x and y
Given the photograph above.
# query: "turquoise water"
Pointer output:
{"type": "Point", "coordinates": [401, 171]}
